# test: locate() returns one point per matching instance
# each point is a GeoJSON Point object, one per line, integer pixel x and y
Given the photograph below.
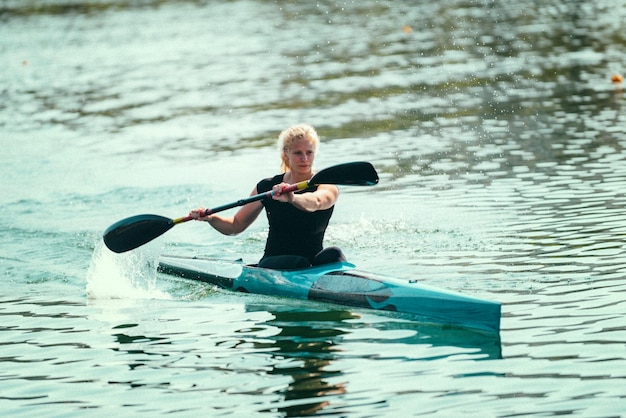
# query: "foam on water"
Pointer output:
{"type": "Point", "coordinates": [130, 275]}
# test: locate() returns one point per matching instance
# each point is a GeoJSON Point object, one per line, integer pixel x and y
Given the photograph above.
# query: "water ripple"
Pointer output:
{"type": "Point", "coordinates": [499, 139]}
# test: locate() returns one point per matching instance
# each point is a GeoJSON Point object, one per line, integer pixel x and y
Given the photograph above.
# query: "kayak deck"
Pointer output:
{"type": "Point", "coordinates": [341, 283]}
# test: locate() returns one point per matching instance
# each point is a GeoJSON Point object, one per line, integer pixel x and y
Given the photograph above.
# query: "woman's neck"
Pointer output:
{"type": "Point", "coordinates": [292, 178]}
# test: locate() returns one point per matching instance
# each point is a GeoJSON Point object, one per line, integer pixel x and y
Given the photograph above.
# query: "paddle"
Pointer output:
{"type": "Point", "coordinates": [135, 231]}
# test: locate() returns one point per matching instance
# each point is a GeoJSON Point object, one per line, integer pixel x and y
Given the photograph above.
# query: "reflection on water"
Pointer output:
{"type": "Point", "coordinates": [301, 327]}
{"type": "Point", "coordinates": [306, 347]}
{"type": "Point", "coordinates": [313, 344]}
{"type": "Point", "coordinates": [306, 351]}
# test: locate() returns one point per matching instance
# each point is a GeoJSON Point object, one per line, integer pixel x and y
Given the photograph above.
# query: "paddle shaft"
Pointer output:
{"type": "Point", "coordinates": [241, 202]}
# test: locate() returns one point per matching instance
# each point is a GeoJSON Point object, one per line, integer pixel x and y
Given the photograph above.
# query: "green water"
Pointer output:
{"type": "Point", "coordinates": [499, 139]}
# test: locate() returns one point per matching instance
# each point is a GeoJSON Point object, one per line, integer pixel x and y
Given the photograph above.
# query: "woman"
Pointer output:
{"type": "Point", "coordinates": [297, 220]}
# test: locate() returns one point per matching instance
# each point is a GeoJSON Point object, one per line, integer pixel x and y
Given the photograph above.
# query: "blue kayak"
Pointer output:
{"type": "Point", "coordinates": [343, 284]}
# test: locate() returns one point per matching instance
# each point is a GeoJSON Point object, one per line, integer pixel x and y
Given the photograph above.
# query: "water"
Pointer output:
{"type": "Point", "coordinates": [499, 139]}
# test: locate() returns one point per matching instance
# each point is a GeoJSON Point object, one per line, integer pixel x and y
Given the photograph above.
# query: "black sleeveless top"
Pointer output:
{"type": "Point", "coordinates": [292, 231]}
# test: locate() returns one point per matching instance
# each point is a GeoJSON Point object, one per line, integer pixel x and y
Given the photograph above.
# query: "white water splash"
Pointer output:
{"type": "Point", "coordinates": [130, 275]}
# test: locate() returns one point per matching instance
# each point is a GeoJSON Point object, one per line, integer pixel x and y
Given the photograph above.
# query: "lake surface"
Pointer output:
{"type": "Point", "coordinates": [500, 141]}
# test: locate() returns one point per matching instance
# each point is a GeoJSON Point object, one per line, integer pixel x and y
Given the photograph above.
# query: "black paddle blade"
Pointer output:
{"type": "Point", "coordinates": [359, 173]}
{"type": "Point", "coordinates": [135, 231]}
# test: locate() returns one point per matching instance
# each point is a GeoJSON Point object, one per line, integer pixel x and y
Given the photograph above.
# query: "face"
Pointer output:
{"type": "Point", "coordinates": [300, 156]}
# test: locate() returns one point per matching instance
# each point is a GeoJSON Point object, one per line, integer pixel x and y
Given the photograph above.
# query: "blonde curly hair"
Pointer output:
{"type": "Point", "coordinates": [291, 135]}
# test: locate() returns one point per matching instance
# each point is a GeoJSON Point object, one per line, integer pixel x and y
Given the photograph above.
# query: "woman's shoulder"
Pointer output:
{"type": "Point", "coordinates": [267, 183]}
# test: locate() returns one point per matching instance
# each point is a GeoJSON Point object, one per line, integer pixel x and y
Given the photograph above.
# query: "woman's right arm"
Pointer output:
{"type": "Point", "coordinates": [231, 225]}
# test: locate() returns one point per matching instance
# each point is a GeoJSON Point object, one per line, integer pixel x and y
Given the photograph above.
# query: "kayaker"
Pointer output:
{"type": "Point", "coordinates": [297, 220]}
